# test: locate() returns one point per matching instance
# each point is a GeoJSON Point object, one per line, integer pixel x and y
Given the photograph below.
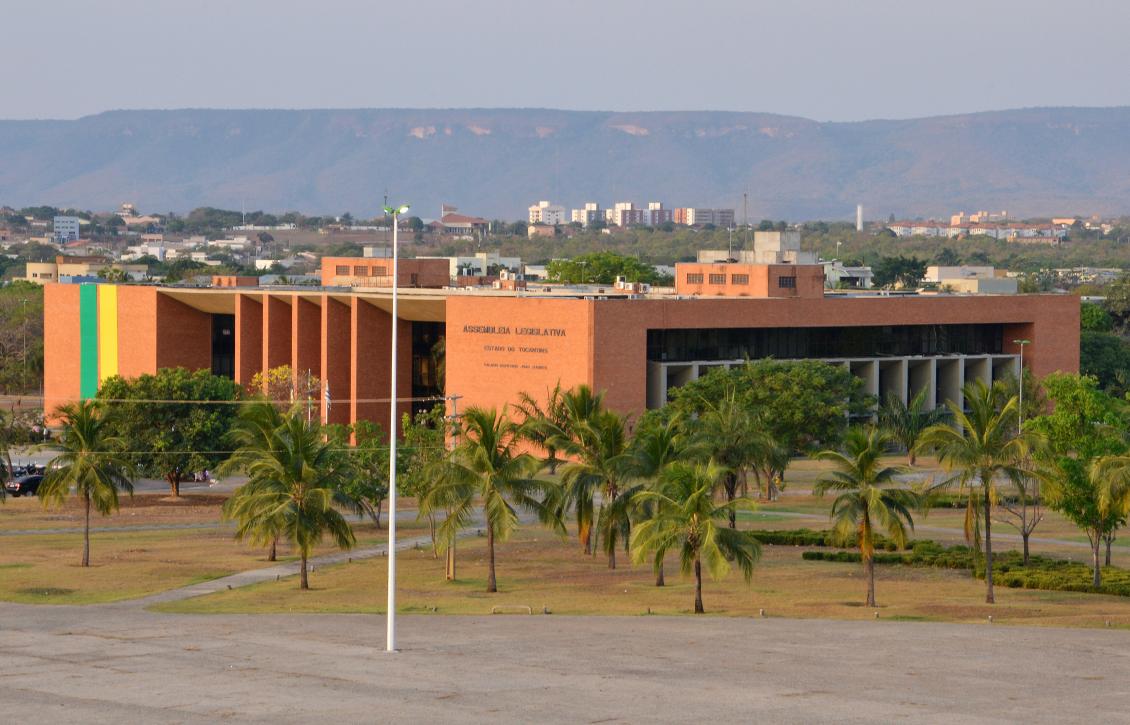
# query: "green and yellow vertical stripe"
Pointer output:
{"type": "Point", "coordinates": [98, 336]}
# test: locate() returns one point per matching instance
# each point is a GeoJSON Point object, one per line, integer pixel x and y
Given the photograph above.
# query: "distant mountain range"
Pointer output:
{"type": "Point", "coordinates": [495, 162]}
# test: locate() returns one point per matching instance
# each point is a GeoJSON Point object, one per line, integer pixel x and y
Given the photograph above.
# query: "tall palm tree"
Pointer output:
{"type": "Point", "coordinates": [89, 463]}
{"type": "Point", "coordinates": [981, 445]}
{"type": "Point", "coordinates": [255, 429]}
{"type": "Point", "coordinates": [686, 518]}
{"type": "Point", "coordinates": [905, 422]}
{"type": "Point", "coordinates": [657, 444]}
{"type": "Point", "coordinates": [295, 474]}
{"type": "Point", "coordinates": [542, 423]}
{"type": "Point", "coordinates": [486, 467]}
{"type": "Point", "coordinates": [600, 461]}
{"type": "Point", "coordinates": [868, 497]}
{"type": "Point", "coordinates": [732, 435]}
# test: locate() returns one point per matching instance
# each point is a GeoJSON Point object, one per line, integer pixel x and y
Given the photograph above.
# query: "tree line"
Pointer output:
{"type": "Point", "coordinates": [673, 483]}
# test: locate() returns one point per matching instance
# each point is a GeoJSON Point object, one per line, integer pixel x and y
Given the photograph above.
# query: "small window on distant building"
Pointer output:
{"type": "Point", "coordinates": [786, 282]}
{"type": "Point", "coordinates": [717, 279]}
{"type": "Point", "coordinates": [360, 270]}
{"type": "Point", "coordinates": [343, 269]}
{"type": "Point", "coordinates": [380, 271]}
{"type": "Point", "coordinates": [693, 278]}
{"type": "Point", "coordinates": [739, 279]}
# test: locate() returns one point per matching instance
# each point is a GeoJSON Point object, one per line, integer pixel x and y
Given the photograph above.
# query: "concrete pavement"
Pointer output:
{"type": "Point", "coordinates": [120, 664]}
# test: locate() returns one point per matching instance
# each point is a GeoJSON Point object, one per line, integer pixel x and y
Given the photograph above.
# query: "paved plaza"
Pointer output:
{"type": "Point", "coordinates": [119, 663]}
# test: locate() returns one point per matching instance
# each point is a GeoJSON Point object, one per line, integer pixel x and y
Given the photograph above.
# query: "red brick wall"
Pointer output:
{"type": "Point", "coordinates": [184, 335]}
{"type": "Point", "coordinates": [335, 357]}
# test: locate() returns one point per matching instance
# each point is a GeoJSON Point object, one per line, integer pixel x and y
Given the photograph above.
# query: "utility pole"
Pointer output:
{"type": "Point", "coordinates": [454, 419]}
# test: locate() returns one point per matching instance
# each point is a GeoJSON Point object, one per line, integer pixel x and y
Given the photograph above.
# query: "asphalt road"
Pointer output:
{"type": "Point", "coordinates": [121, 664]}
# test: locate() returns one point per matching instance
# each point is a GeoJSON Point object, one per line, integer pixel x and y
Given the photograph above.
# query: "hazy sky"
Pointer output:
{"type": "Point", "coordinates": [824, 59]}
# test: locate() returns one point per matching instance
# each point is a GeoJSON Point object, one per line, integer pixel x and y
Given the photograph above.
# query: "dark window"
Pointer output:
{"type": "Point", "coordinates": [694, 278]}
{"type": "Point", "coordinates": [823, 342]}
{"type": "Point", "coordinates": [739, 279]}
{"type": "Point", "coordinates": [717, 279]}
{"type": "Point", "coordinates": [427, 365]}
{"type": "Point", "coordinates": [786, 282]}
{"type": "Point", "coordinates": [223, 345]}
{"type": "Point", "coordinates": [360, 270]}
{"type": "Point", "coordinates": [380, 271]}
{"type": "Point", "coordinates": [343, 269]}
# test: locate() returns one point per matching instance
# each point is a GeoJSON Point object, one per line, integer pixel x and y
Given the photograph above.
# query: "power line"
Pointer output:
{"type": "Point", "coordinates": [5, 399]}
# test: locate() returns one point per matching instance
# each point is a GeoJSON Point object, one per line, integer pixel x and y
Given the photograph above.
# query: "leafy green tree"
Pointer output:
{"type": "Point", "coordinates": [1082, 451]}
{"type": "Point", "coordinates": [599, 460]}
{"type": "Point", "coordinates": [368, 484]}
{"type": "Point", "coordinates": [868, 497]}
{"type": "Point", "coordinates": [898, 271]}
{"type": "Point", "coordinates": [89, 464]}
{"type": "Point", "coordinates": [1106, 357]}
{"type": "Point", "coordinates": [688, 520]}
{"type": "Point", "coordinates": [178, 438]}
{"type": "Point", "coordinates": [904, 422]}
{"type": "Point", "coordinates": [1093, 318]}
{"type": "Point", "coordinates": [486, 467]}
{"type": "Point", "coordinates": [600, 268]}
{"type": "Point", "coordinates": [803, 405]}
{"type": "Point", "coordinates": [21, 337]}
{"type": "Point", "coordinates": [295, 476]}
{"type": "Point", "coordinates": [982, 445]}
{"type": "Point", "coordinates": [1117, 302]}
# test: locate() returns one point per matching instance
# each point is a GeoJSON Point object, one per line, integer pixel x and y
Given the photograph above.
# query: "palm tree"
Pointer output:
{"type": "Point", "coordinates": [982, 444]}
{"type": "Point", "coordinates": [255, 429]}
{"type": "Point", "coordinates": [486, 467]}
{"type": "Point", "coordinates": [600, 460]}
{"type": "Point", "coordinates": [541, 424]}
{"type": "Point", "coordinates": [658, 443]}
{"type": "Point", "coordinates": [868, 497]}
{"type": "Point", "coordinates": [905, 422]}
{"type": "Point", "coordinates": [295, 474]}
{"type": "Point", "coordinates": [578, 406]}
{"type": "Point", "coordinates": [733, 436]}
{"type": "Point", "coordinates": [686, 518]}
{"type": "Point", "coordinates": [89, 463]}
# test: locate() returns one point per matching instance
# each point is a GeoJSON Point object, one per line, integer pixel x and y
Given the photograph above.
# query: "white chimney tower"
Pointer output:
{"type": "Point", "coordinates": [859, 217]}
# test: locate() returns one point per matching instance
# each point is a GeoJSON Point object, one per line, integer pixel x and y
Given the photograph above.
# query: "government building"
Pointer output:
{"type": "Point", "coordinates": [631, 342]}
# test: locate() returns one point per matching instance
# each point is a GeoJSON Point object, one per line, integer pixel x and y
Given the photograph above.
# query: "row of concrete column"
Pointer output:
{"type": "Point", "coordinates": [942, 377]}
{"type": "Point", "coordinates": [344, 342]}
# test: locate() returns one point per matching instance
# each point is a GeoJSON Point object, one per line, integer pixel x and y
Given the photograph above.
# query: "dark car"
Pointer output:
{"type": "Point", "coordinates": [24, 485]}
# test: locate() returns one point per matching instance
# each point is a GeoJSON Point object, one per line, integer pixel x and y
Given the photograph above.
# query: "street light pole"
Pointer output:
{"type": "Point", "coordinates": [390, 618]}
{"type": "Point", "coordinates": [1020, 385]}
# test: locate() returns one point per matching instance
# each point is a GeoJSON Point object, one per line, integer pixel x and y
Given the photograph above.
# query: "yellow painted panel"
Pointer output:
{"type": "Point", "coordinates": [107, 331]}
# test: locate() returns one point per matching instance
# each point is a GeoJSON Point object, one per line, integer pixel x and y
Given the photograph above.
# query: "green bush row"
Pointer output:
{"type": "Point", "coordinates": [808, 537]}
{"type": "Point", "coordinates": [1009, 570]}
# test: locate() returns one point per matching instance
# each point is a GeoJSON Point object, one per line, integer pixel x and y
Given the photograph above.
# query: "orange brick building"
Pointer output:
{"type": "Point", "coordinates": [500, 343]}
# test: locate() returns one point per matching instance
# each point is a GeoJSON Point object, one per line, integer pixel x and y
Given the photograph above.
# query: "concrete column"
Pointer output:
{"type": "Point", "coordinates": [951, 376]}
{"type": "Point", "coordinates": [978, 368]}
{"type": "Point", "coordinates": [368, 363]}
{"type": "Point", "coordinates": [923, 376]}
{"type": "Point", "coordinates": [276, 332]}
{"type": "Point", "coordinates": [334, 362]}
{"type": "Point", "coordinates": [893, 378]}
{"type": "Point", "coordinates": [248, 337]}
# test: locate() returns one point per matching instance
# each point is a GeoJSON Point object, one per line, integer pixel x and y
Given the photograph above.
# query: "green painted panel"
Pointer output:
{"type": "Point", "coordinates": [88, 340]}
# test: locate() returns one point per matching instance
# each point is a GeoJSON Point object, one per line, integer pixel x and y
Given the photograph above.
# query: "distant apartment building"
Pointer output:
{"type": "Point", "coordinates": [66, 229]}
{"type": "Point", "coordinates": [591, 212]}
{"type": "Point", "coordinates": [694, 216]}
{"type": "Point", "coordinates": [64, 268]}
{"type": "Point", "coordinates": [972, 279]}
{"type": "Point", "coordinates": [655, 214]}
{"type": "Point", "coordinates": [371, 272]}
{"type": "Point", "coordinates": [546, 213]}
{"type": "Point", "coordinates": [624, 214]}
{"type": "Point", "coordinates": [1008, 231]}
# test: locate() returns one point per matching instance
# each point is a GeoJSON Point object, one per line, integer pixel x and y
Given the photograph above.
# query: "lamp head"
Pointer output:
{"type": "Point", "coordinates": [396, 210]}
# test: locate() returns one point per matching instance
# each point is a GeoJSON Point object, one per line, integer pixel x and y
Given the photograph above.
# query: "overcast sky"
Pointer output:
{"type": "Point", "coordinates": [823, 59]}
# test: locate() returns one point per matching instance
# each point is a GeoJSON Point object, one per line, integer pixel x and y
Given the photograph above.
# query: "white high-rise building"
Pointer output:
{"type": "Point", "coordinates": [546, 213]}
{"type": "Point", "coordinates": [589, 214]}
{"type": "Point", "coordinates": [66, 229]}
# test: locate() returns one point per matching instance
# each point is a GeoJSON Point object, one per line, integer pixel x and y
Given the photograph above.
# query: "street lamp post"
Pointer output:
{"type": "Point", "coordinates": [1020, 384]}
{"type": "Point", "coordinates": [390, 635]}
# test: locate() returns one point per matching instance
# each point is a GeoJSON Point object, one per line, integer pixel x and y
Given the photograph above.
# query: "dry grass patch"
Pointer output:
{"type": "Point", "coordinates": [537, 570]}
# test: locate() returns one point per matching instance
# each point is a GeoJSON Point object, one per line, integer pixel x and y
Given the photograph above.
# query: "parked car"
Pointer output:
{"type": "Point", "coordinates": [24, 485]}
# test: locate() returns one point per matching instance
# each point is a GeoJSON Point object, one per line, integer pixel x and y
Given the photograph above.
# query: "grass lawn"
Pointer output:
{"type": "Point", "coordinates": [43, 568]}
{"type": "Point", "coordinates": [536, 569]}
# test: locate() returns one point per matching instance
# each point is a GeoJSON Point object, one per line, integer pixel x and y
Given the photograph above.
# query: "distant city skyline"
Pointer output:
{"type": "Point", "coordinates": [826, 60]}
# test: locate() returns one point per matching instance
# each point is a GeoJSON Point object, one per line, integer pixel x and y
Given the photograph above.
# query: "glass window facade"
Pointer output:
{"type": "Point", "coordinates": [823, 342]}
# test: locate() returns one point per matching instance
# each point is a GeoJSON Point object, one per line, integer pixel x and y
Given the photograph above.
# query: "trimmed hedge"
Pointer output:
{"type": "Point", "coordinates": [1055, 575]}
{"type": "Point", "coordinates": [808, 537]}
